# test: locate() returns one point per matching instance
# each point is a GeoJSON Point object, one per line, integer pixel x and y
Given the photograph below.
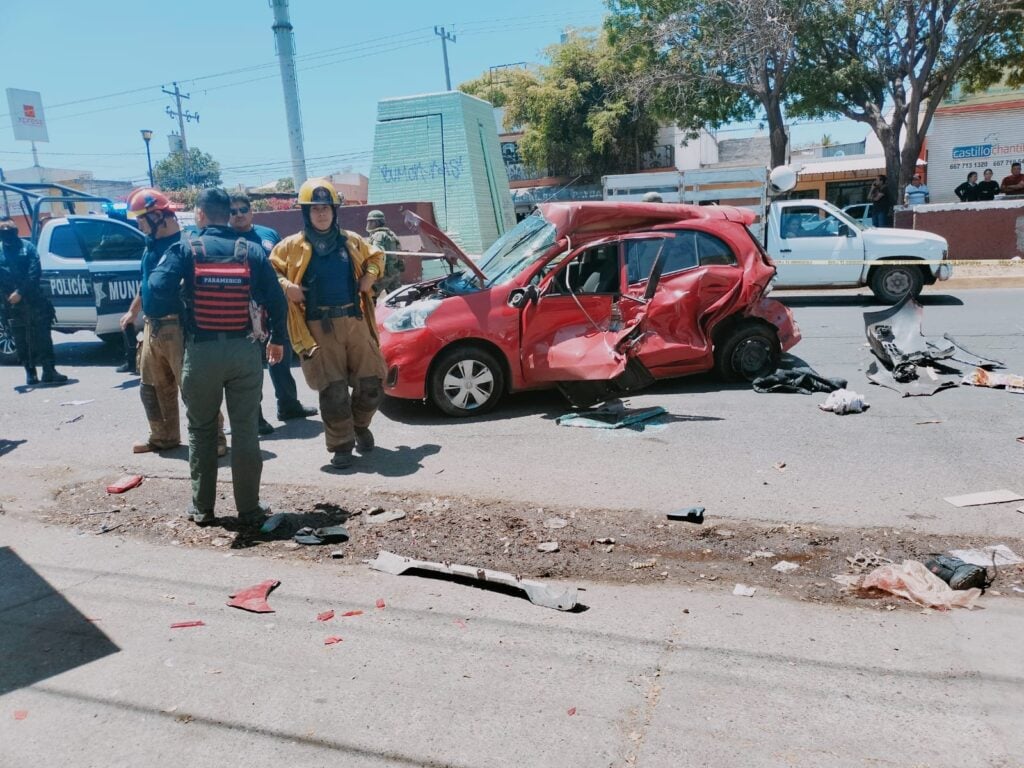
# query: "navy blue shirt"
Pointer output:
{"type": "Point", "coordinates": [177, 265]}
{"type": "Point", "coordinates": [331, 280]}
{"type": "Point", "coordinates": [265, 237]}
{"type": "Point", "coordinates": [156, 306]}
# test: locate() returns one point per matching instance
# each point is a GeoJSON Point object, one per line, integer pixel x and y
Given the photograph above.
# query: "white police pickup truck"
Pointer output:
{"type": "Point", "coordinates": [91, 268]}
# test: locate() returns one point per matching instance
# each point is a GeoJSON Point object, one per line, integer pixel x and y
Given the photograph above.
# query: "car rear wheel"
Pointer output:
{"type": "Point", "coordinates": [8, 354]}
{"type": "Point", "coordinates": [890, 284]}
{"type": "Point", "coordinates": [749, 351]}
{"type": "Point", "coordinates": [466, 381]}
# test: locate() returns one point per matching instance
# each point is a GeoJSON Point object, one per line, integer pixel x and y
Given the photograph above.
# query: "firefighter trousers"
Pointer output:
{"type": "Point", "coordinates": [348, 371]}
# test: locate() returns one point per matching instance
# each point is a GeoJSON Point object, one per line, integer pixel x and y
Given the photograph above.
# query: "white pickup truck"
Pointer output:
{"type": "Point", "coordinates": [816, 245]}
{"type": "Point", "coordinates": [91, 268]}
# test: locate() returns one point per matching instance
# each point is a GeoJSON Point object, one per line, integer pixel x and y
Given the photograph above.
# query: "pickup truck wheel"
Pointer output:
{"type": "Point", "coordinates": [8, 354]}
{"type": "Point", "coordinates": [890, 284]}
{"type": "Point", "coordinates": [466, 381]}
{"type": "Point", "coordinates": [749, 351]}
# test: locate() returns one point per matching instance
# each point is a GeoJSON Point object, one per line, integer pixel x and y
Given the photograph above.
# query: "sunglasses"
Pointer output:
{"type": "Point", "coordinates": [240, 211]}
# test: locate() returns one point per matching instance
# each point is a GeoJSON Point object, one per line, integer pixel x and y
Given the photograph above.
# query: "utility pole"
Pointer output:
{"type": "Point", "coordinates": [182, 116]}
{"type": "Point", "coordinates": [445, 37]}
{"type": "Point", "coordinates": [284, 39]}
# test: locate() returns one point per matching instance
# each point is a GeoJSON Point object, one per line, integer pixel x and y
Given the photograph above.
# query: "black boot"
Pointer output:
{"type": "Point", "coordinates": [50, 375]}
{"type": "Point", "coordinates": [31, 379]}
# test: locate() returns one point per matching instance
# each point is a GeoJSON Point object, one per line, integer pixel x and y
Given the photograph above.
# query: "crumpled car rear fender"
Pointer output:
{"type": "Point", "coordinates": [779, 315]}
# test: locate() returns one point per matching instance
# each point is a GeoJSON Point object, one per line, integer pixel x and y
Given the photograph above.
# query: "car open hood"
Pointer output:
{"type": "Point", "coordinates": [443, 244]}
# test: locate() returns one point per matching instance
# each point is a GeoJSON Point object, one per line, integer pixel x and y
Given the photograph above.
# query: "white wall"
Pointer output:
{"type": "Point", "coordinates": [960, 143]}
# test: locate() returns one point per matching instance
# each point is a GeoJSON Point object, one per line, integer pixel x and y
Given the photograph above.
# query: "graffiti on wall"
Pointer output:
{"type": "Point", "coordinates": [422, 171]}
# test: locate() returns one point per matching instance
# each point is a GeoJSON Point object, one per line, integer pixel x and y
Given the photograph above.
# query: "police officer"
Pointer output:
{"type": "Point", "coordinates": [224, 277]}
{"type": "Point", "coordinates": [163, 344]}
{"type": "Point", "coordinates": [382, 237]}
{"type": "Point", "coordinates": [327, 274]}
{"type": "Point", "coordinates": [288, 405]}
{"type": "Point", "coordinates": [25, 307]}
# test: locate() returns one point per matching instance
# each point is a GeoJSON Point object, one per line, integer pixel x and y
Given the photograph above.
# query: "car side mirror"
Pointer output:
{"type": "Point", "coordinates": [520, 297]}
{"type": "Point", "coordinates": [845, 230]}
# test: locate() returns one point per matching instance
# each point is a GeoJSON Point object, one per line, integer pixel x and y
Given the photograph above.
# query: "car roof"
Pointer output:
{"type": "Point", "coordinates": [616, 216]}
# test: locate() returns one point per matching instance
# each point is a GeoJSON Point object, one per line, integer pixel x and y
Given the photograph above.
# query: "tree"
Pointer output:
{"type": "Point", "coordinates": [577, 114]}
{"type": "Point", "coordinates": [889, 64]}
{"type": "Point", "coordinates": [284, 184]}
{"type": "Point", "coordinates": [826, 140]}
{"type": "Point", "coordinates": [703, 63]}
{"type": "Point", "coordinates": [494, 85]}
{"type": "Point", "coordinates": [173, 172]}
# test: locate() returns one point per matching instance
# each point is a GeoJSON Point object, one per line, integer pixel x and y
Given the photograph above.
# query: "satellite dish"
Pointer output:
{"type": "Point", "coordinates": [782, 179]}
{"type": "Point", "coordinates": [839, 153]}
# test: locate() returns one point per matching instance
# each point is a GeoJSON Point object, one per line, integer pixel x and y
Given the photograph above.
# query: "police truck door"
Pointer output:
{"type": "Point", "coordinates": [113, 254]}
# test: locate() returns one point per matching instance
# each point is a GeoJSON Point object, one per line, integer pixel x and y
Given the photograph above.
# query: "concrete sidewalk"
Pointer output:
{"type": "Point", "coordinates": [93, 675]}
{"type": "Point", "coordinates": [983, 274]}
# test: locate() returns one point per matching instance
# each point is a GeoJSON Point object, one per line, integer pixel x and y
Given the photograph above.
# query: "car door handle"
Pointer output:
{"type": "Point", "coordinates": [785, 250]}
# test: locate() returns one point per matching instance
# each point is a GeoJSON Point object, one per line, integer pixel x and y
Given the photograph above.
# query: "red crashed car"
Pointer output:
{"type": "Point", "coordinates": [598, 299]}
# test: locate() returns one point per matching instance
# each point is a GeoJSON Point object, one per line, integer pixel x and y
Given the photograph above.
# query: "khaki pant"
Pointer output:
{"type": "Point", "coordinates": [160, 356]}
{"type": "Point", "coordinates": [348, 357]}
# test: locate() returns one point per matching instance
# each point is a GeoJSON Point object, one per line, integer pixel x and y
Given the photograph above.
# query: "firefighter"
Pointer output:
{"type": "Point", "coordinates": [25, 307]}
{"type": "Point", "coordinates": [328, 274]}
{"type": "Point", "coordinates": [163, 347]}
{"type": "Point", "coordinates": [382, 237]}
{"type": "Point", "coordinates": [226, 281]}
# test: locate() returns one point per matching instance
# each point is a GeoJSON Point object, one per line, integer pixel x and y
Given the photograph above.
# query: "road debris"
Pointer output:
{"type": "Point", "coordinates": [785, 566]}
{"type": "Point", "coordinates": [20, 714]}
{"type": "Point", "coordinates": [539, 593]}
{"type": "Point", "coordinates": [801, 381]}
{"type": "Point", "coordinates": [911, 581]}
{"type": "Point", "coordinates": [979, 377]}
{"type": "Point", "coordinates": [325, 616]}
{"type": "Point", "coordinates": [844, 401]}
{"type": "Point", "coordinates": [78, 402]}
{"type": "Point", "coordinates": [867, 560]}
{"type": "Point", "coordinates": [346, 614]}
{"type": "Point", "coordinates": [611, 415]}
{"type": "Point", "coordinates": [547, 546]}
{"type": "Point", "coordinates": [758, 554]}
{"type": "Point", "coordinates": [984, 497]}
{"type": "Point", "coordinates": [73, 419]}
{"type": "Point", "coordinates": [105, 528]}
{"type": "Point", "coordinates": [332, 640]}
{"type": "Point", "coordinates": [375, 517]}
{"type": "Point", "coordinates": [636, 565]}
{"type": "Point", "coordinates": [125, 483]}
{"type": "Point", "coordinates": [605, 540]}
{"type": "Point", "coordinates": [689, 515]}
{"type": "Point", "coordinates": [571, 711]}
{"type": "Point", "coordinates": [780, 465]}
{"type": "Point", "coordinates": [958, 574]}
{"type": "Point", "coordinates": [334, 534]}
{"type": "Point", "coordinates": [929, 421]}
{"type": "Point", "coordinates": [380, 600]}
{"type": "Point", "coordinates": [555, 523]}
{"type": "Point", "coordinates": [254, 598]}
{"type": "Point", "coordinates": [742, 590]}
{"type": "Point", "coordinates": [995, 555]}
{"type": "Point", "coordinates": [188, 624]}
{"type": "Point", "coordinates": [911, 363]}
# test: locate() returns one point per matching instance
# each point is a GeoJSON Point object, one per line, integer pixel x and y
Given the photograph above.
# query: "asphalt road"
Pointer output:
{"type": "Point", "coordinates": [717, 447]}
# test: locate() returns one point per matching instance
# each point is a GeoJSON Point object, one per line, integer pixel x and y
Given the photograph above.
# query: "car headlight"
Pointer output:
{"type": "Point", "coordinates": [412, 316]}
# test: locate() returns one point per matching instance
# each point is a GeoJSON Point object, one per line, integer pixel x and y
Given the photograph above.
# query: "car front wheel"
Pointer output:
{"type": "Point", "coordinates": [8, 354]}
{"type": "Point", "coordinates": [466, 381]}
{"type": "Point", "coordinates": [749, 351]}
{"type": "Point", "coordinates": [890, 284]}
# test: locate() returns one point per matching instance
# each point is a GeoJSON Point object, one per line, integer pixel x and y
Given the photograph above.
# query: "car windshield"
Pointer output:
{"type": "Point", "coordinates": [517, 249]}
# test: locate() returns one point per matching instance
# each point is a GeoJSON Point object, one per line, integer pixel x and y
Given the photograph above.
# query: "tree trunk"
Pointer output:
{"type": "Point", "coordinates": [777, 132]}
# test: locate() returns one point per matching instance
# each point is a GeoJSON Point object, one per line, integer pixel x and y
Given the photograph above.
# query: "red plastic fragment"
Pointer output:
{"type": "Point", "coordinates": [571, 711]}
{"type": "Point", "coordinates": [186, 624]}
{"type": "Point", "coordinates": [20, 714]}
{"type": "Point", "coordinates": [325, 616]}
{"type": "Point", "coordinates": [352, 613]}
{"type": "Point", "coordinates": [254, 598]}
{"type": "Point", "coordinates": [380, 602]}
{"type": "Point", "coordinates": [332, 640]}
{"type": "Point", "coordinates": [126, 483]}
{"type": "Point", "coordinates": [460, 623]}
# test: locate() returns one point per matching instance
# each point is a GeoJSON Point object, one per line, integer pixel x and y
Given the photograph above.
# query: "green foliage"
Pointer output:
{"type": "Point", "coordinates": [284, 184]}
{"type": "Point", "coordinates": [703, 63]}
{"type": "Point", "coordinates": [578, 115]}
{"type": "Point", "coordinates": [889, 64]}
{"type": "Point", "coordinates": [174, 173]}
{"type": "Point", "coordinates": [496, 85]}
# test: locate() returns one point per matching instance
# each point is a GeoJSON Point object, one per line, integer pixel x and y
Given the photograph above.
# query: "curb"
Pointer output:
{"type": "Point", "coordinates": [977, 282]}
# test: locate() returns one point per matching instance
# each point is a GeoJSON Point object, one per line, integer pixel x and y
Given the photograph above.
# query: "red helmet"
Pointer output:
{"type": "Point", "coordinates": [147, 200]}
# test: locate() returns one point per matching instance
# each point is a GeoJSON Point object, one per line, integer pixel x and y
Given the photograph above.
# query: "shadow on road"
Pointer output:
{"type": "Point", "coordinates": [6, 446]}
{"type": "Point", "coordinates": [819, 300]}
{"type": "Point", "coordinates": [41, 633]}
{"type": "Point", "coordinates": [400, 461]}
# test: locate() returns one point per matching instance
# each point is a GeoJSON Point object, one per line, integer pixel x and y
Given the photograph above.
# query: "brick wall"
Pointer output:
{"type": "Point", "coordinates": [974, 230]}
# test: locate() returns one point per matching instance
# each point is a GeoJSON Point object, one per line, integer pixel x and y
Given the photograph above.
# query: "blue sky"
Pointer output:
{"type": "Point", "coordinates": [350, 55]}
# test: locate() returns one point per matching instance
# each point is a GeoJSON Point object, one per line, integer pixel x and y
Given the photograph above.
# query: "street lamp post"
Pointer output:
{"type": "Point", "coordinates": [146, 136]}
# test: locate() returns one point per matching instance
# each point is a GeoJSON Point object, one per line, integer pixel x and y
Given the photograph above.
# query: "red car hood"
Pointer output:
{"type": "Point", "coordinates": [442, 243]}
